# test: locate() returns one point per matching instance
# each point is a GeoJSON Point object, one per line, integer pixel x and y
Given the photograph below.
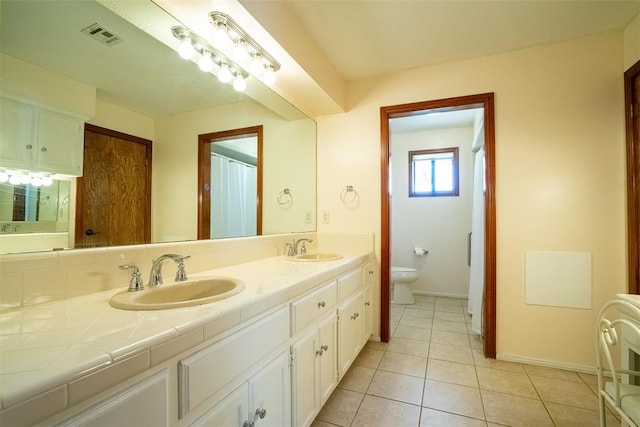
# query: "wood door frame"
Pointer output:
{"type": "Point", "coordinates": [148, 144]}
{"type": "Point", "coordinates": [204, 175]}
{"type": "Point", "coordinates": [486, 101]}
{"type": "Point", "coordinates": [632, 107]}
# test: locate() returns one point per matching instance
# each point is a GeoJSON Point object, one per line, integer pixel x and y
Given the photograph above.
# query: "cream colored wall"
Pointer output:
{"type": "Point", "coordinates": [116, 118]}
{"type": "Point", "coordinates": [175, 196]}
{"type": "Point", "coordinates": [560, 174]}
{"type": "Point", "coordinates": [632, 43]}
{"type": "Point", "coordinates": [438, 224]}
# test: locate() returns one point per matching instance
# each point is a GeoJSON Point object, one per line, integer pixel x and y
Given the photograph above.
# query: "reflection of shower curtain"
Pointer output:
{"type": "Point", "coordinates": [233, 198]}
{"type": "Point", "coordinates": [476, 273]}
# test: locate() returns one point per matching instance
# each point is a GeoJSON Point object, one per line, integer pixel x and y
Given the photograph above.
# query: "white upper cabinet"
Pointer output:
{"type": "Point", "coordinates": [40, 140]}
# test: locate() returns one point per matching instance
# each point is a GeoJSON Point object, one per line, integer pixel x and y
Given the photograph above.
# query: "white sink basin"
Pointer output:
{"type": "Point", "coordinates": [315, 257]}
{"type": "Point", "coordinates": [201, 290]}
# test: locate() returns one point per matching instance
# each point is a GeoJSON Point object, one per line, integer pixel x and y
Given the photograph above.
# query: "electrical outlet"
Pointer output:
{"type": "Point", "coordinates": [325, 217]}
{"type": "Point", "coordinates": [307, 217]}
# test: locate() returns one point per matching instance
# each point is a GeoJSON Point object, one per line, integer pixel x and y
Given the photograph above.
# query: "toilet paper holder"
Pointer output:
{"type": "Point", "coordinates": [419, 251]}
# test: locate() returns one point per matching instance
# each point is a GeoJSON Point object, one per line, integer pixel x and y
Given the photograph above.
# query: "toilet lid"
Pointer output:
{"type": "Point", "coordinates": [402, 270]}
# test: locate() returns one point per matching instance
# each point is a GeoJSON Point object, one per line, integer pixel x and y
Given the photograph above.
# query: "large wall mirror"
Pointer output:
{"type": "Point", "coordinates": [141, 87]}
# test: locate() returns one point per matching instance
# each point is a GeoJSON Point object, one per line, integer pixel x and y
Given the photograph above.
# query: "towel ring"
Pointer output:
{"type": "Point", "coordinates": [348, 195]}
{"type": "Point", "coordinates": [284, 197]}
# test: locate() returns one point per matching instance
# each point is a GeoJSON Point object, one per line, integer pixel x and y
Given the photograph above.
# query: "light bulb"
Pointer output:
{"type": "Point", "coordinates": [240, 52]}
{"type": "Point", "coordinates": [220, 36]}
{"type": "Point", "coordinates": [256, 66]}
{"type": "Point", "coordinates": [224, 75]}
{"type": "Point", "coordinates": [36, 181]}
{"type": "Point", "coordinates": [25, 178]}
{"type": "Point", "coordinates": [14, 179]}
{"type": "Point", "coordinates": [269, 76]}
{"type": "Point", "coordinates": [186, 50]}
{"type": "Point", "coordinates": [239, 84]}
{"type": "Point", "coordinates": [4, 176]}
{"type": "Point", "coordinates": [47, 181]}
{"type": "Point", "coordinates": [205, 63]}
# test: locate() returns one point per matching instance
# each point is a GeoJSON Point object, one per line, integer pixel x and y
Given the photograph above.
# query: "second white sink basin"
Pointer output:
{"type": "Point", "coordinates": [315, 257]}
{"type": "Point", "coordinates": [201, 290]}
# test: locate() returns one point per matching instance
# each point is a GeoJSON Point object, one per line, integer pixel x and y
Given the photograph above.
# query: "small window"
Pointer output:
{"type": "Point", "coordinates": [433, 173]}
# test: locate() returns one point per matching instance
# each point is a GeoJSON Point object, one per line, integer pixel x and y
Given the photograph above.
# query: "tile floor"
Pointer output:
{"type": "Point", "coordinates": [433, 373]}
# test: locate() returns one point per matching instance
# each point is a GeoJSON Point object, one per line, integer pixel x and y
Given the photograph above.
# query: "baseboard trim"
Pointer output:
{"type": "Point", "coordinates": [547, 363]}
{"type": "Point", "coordinates": [440, 294]}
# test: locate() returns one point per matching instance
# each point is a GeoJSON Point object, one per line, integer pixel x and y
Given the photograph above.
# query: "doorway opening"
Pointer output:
{"type": "Point", "coordinates": [481, 101]}
{"type": "Point", "coordinates": [230, 183]}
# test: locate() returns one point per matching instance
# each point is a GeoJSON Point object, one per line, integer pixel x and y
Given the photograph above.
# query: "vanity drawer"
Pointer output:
{"type": "Point", "coordinates": [207, 371]}
{"type": "Point", "coordinates": [349, 283]}
{"type": "Point", "coordinates": [310, 307]}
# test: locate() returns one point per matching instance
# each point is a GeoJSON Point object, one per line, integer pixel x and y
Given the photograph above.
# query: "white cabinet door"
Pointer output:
{"type": "Point", "coordinates": [17, 130]}
{"type": "Point", "coordinates": [144, 404]}
{"type": "Point", "coordinates": [270, 394]}
{"type": "Point", "coordinates": [305, 390]}
{"type": "Point", "coordinates": [232, 411]}
{"type": "Point", "coordinates": [350, 331]}
{"type": "Point", "coordinates": [328, 369]}
{"type": "Point", "coordinates": [59, 143]}
{"type": "Point", "coordinates": [368, 312]}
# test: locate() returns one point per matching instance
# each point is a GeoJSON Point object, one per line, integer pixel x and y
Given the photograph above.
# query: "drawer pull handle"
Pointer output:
{"type": "Point", "coordinates": [321, 304]}
{"type": "Point", "coordinates": [260, 413]}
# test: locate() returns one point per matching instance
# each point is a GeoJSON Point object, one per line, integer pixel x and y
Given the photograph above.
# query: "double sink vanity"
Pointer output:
{"type": "Point", "coordinates": [261, 342]}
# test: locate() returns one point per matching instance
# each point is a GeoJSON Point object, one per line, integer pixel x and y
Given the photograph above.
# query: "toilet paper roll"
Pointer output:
{"type": "Point", "coordinates": [419, 251]}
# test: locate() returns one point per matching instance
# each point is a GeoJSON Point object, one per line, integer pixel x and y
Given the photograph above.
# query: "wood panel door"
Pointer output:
{"type": "Point", "coordinates": [632, 117]}
{"type": "Point", "coordinates": [114, 193]}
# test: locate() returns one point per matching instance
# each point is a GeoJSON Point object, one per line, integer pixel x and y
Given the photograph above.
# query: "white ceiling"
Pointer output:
{"type": "Point", "coordinates": [368, 37]}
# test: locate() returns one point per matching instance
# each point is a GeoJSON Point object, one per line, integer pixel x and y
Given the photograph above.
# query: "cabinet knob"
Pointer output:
{"type": "Point", "coordinates": [43, 149]}
{"type": "Point", "coordinates": [319, 352]}
{"type": "Point", "coordinates": [367, 303]}
{"type": "Point", "coordinates": [321, 304]}
{"type": "Point", "coordinates": [324, 347]}
{"type": "Point", "coordinates": [29, 147]}
{"type": "Point", "coordinates": [260, 413]}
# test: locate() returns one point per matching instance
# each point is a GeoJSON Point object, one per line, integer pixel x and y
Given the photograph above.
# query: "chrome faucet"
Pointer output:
{"type": "Point", "coordinates": [155, 278]}
{"type": "Point", "coordinates": [293, 247]}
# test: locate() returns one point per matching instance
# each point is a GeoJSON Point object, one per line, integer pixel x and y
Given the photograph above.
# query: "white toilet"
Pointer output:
{"type": "Point", "coordinates": [401, 279]}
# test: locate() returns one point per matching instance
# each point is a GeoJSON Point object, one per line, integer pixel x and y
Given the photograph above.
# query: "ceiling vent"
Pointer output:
{"type": "Point", "coordinates": [101, 34]}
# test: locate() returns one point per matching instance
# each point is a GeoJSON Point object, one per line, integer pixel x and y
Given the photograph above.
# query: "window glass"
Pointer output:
{"type": "Point", "coordinates": [433, 172]}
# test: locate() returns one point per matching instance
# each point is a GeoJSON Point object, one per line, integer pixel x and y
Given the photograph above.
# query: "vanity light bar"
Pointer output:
{"type": "Point", "coordinates": [208, 58]}
{"type": "Point", "coordinates": [24, 177]}
{"type": "Point", "coordinates": [240, 38]}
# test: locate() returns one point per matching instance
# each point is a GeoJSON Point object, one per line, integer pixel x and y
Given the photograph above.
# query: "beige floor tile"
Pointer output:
{"type": "Point", "coordinates": [451, 353]}
{"type": "Point", "coordinates": [341, 408]}
{"type": "Point", "coordinates": [480, 360]}
{"type": "Point", "coordinates": [450, 372]}
{"type": "Point", "coordinates": [476, 341]}
{"type": "Point", "coordinates": [403, 364]}
{"type": "Point", "coordinates": [416, 322]}
{"type": "Point", "coordinates": [565, 392]}
{"type": "Point", "coordinates": [453, 398]}
{"type": "Point", "coordinates": [319, 423]}
{"type": "Point", "coordinates": [514, 410]}
{"type": "Point", "coordinates": [589, 378]}
{"type": "Point", "coordinates": [377, 412]}
{"type": "Point", "coordinates": [424, 298]}
{"type": "Point", "coordinates": [403, 388]}
{"type": "Point", "coordinates": [446, 325]}
{"type": "Point", "coordinates": [446, 337]}
{"type": "Point", "coordinates": [560, 374]}
{"type": "Point", "coordinates": [376, 345]}
{"type": "Point", "coordinates": [423, 305]}
{"type": "Point", "coordinates": [433, 418]}
{"type": "Point", "coordinates": [357, 379]}
{"type": "Point", "coordinates": [369, 358]}
{"type": "Point", "coordinates": [409, 346]}
{"type": "Point", "coordinates": [515, 383]}
{"type": "Point", "coordinates": [449, 316]}
{"type": "Point", "coordinates": [421, 334]}
{"type": "Point", "coordinates": [414, 312]}
{"type": "Point", "coordinates": [568, 416]}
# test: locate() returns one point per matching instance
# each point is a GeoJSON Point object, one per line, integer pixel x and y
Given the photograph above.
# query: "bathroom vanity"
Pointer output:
{"type": "Point", "coordinates": [269, 355]}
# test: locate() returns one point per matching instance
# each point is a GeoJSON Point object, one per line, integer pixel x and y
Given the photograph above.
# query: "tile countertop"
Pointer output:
{"type": "Point", "coordinates": [48, 345]}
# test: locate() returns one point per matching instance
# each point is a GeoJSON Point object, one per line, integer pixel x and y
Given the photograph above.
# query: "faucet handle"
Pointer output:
{"type": "Point", "coordinates": [135, 283]}
{"type": "Point", "coordinates": [181, 274]}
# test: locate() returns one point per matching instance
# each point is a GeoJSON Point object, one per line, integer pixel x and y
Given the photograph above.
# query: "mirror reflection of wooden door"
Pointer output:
{"type": "Point", "coordinates": [114, 194]}
{"type": "Point", "coordinates": [219, 148]}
